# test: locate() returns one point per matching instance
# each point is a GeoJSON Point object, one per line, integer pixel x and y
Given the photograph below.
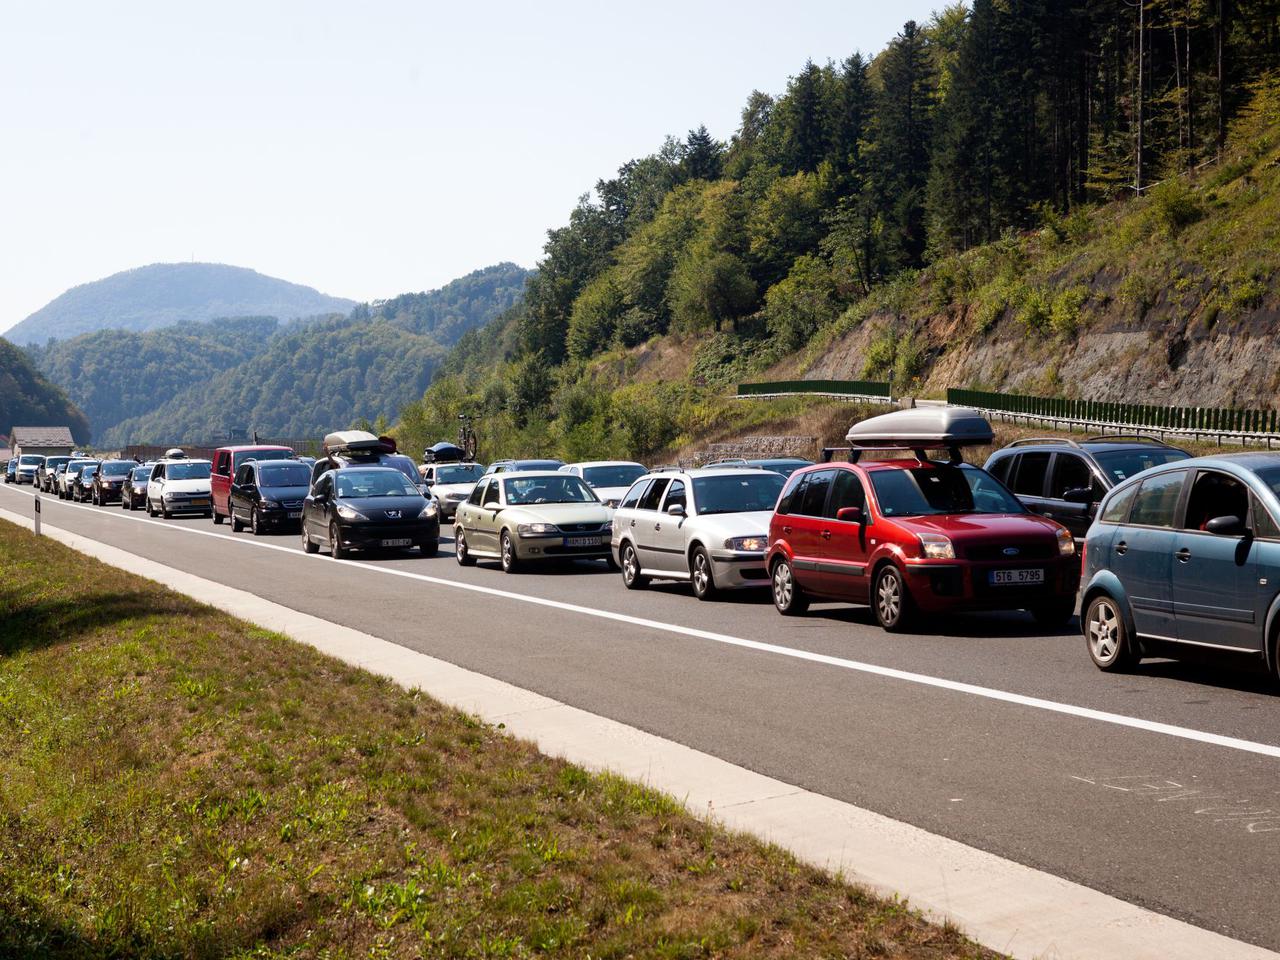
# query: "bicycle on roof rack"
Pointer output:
{"type": "Point", "coordinates": [468, 443]}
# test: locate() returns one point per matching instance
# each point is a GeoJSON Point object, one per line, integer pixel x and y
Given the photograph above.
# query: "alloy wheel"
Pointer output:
{"type": "Point", "coordinates": [784, 586]}
{"type": "Point", "coordinates": [1104, 631]}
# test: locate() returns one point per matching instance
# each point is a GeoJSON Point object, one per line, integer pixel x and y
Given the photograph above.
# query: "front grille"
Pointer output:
{"type": "Point", "coordinates": [291, 504]}
{"type": "Point", "coordinates": [1026, 552]}
{"type": "Point", "coordinates": [582, 527]}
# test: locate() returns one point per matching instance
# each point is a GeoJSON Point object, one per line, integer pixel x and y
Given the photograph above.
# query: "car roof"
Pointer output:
{"type": "Point", "coordinates": [699, 472]}
{"type": "Point", "coordinates": [605, 463]}
{"type": "Point", "coordinates": [523, 474]}
{"type": "Point", "coordinates": [1256, 460]}
{"type": "Point", "coordinates": [357, 467]}
{"type": "Point", "coordinates": [277, 462]}
{"type": "Point", "coordinates": [240, 448]}
{"type": "Point", "coordinates": [168, 460]}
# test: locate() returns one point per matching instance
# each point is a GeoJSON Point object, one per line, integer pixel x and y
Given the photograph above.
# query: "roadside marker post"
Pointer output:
{"type": "Point", "coordinates": [37, 524]}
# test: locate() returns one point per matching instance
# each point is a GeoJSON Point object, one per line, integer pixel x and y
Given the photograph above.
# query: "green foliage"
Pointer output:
{"type": "Point", "coordinates": [1034, 310]}
{"type": "Point", "coordinates": [801, 303]}
{"type": "Point", "coordinates": [596, 313]}
{"type": "Point", "coordinates": [708, 288]}
{"type": "Point", "coordinates": [27, 399]}
{"type": "Point", "coordinates": [1064, 315]}
{"type": "Point", "coordinates": [1174, 205]}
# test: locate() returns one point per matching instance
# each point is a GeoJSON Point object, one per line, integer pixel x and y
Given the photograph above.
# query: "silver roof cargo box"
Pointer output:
{"type": "Point", "coordinates": [918, 429]}
{"type": "Point", "coordinates": [352, 441]}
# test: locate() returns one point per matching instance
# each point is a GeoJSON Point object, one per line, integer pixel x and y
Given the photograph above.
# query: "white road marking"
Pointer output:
{"type": "Point", "coordinates": [941, 683]}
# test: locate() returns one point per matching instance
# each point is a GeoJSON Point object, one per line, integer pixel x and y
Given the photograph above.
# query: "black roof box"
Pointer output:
{"type": "Point", "coordinates": [444, 452]}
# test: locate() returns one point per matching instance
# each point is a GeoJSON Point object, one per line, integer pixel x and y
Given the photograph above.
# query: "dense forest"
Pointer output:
{"type": "Point", "coordinates": [204, 381]}
{"type": "Point", "coordinates": [988, 120]}
{"type": "Point", "coordinates": [165, 294]}
{"type": "Point", "coordinates": [27, 399]}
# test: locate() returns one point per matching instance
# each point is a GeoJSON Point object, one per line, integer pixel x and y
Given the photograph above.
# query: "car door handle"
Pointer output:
{"type": "Point", "coordinates": [1183, 555]}
{"type": "Point", "coordinates": [1121, 548]}
{"type": "Point", "coordinates": [633, 523]}
{"type": "Point", "coordinates": [826, 534]}
{"type": "Point", "coordinates": [657, 526]}
{"type": "Point", "coordinates": [786, 529]}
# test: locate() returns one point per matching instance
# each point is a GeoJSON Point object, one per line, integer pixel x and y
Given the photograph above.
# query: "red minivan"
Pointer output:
{"type": "Point", "coordinates": [227, 460]}
{"type": "Point", "coordinates": [917, 535]}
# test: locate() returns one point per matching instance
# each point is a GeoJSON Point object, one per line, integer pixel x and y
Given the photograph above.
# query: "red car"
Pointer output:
{"type": "Point", "coordinates": [226, 461]}
{"type": "Point", "coordinates": [917, 535]}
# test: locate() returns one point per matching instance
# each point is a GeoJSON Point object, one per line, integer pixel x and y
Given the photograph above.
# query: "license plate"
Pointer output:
{"type": "Point", "coordinates": [199, 503]}
{"type": "Point", "coordinates": [401, 542]}
{"type": "Point", "coordinates": [582, 541]}
{"type": "Point", "coordinates": [295, 514]}
{"type": "Point", "coordinates": [1003, 578]}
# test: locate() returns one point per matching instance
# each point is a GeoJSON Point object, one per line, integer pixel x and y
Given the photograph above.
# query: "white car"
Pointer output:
{"type": "Point", "coordinates": [709, 526]}
{"type": "Point", "coordinates": [450, 484]}
{"type": "Point", "coordinates": [610, 479]}
{"type": "Point", "coordinates": [179, 485]}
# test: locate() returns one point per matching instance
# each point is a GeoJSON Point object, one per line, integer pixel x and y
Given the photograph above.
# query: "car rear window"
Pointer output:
{"type": "Point", "coordinates": [1157, 500]}
{"type": "Point", "coordinates": [1123, 464]}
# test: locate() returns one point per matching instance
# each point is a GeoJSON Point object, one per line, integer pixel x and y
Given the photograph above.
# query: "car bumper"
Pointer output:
{"type": "Point", "coordinates": [109, 494]}
{"type": "Point", "coordinates": [739, 569]}
{"type": "Point", "coordinates": [369, 536]}
{"type": "Point", "coordinates": [942, 587]}
{"type": "Point", "coordinates": [554, 548]}
{"type": "Point", "coordinates": [189, 506]}
{"type": "Point", "coordinates": [280, 516]}
{"type": "Point", "coordinates": [26, 478]}
{"type": "Point", "coordinates": [448, 509]}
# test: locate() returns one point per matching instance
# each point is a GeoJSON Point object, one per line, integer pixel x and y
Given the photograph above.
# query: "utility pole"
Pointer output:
{"type": "Point", "coordinates": [1142, 29]}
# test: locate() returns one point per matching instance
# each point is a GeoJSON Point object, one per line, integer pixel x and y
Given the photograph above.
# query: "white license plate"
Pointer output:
{"type": "Point", "coordinates": [402, 542]}
{"type": "Point", "coordinates": [295, 514]}
{"type": "Point", "coordinates": [1002, 578]}
{"type": "Point", "coordinates": [582, 541]}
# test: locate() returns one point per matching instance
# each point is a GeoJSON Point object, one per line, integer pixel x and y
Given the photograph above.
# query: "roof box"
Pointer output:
{"type": "Point", "coordinates": [444, 452]}
{"type": "Point", "coordinates": [920, 429]}
{"type": "Point", "coordinates": [345, 442]}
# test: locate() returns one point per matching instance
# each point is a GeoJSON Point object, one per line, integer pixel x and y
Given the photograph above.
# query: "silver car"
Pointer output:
{"type": "Point", "coordinates": [450, 484]}
{"type": "Point", "coordinates": [708, 526]}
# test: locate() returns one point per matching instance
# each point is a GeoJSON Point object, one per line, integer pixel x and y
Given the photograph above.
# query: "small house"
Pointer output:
{"type": "Point", "coordinates": [42, 441]}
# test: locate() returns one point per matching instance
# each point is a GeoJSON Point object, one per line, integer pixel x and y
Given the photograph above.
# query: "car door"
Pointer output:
{"type": "Point", "coordinates": [465, 516]}
{"type": "Point", "coordinates": [486, 518]}
{"type": "Point", "coordinates": [1215, 576]}
{"type": "Point", "coordinates": [237, 494]}
{"type": "Point", "coordinates": [668, 531]}
{"type": "Point", "coordinates": [804, 526]}
{"type": "Point", "coordinates": [315, 508]}
{"type": "Point", "coordinates": [220, 481]}
{"type": "Point", "coordinates": [843, 545]}
{"type": "Point", "coordinates": [1142, 553]}
{"type": "Point", "coordinates": [645, 525]}
{"type": "Point", "coordinates": [155, 486]}
{"type": "Point", "coordinates": [1029, 478]}
{"type": "Point", "coordinates": [1071, 471]}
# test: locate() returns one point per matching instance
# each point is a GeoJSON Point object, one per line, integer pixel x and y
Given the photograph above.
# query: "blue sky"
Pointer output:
{"type": "Point", "coordinates": [363, 149]}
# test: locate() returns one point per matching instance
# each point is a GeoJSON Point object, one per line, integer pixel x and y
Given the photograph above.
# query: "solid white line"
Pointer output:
{"type": "Point", "coordinates": [941, 683]}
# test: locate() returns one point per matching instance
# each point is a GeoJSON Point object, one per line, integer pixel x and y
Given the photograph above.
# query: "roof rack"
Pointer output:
{"type": "Point", "coordinates": [1127, 437]}
{"type": "Point", "coordinates": [1028, 441]}
{"type": "Point", "coordinates": [666, 468]}
{"type": "Point", "coordinates": [920, 453]}
{"type": "Point", "coordinates": [726, 461]}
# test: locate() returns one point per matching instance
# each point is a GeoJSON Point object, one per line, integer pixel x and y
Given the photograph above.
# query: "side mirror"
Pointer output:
{"type": "Point", "coordinates": [676, 510]}
{"type": "Point", "coordinates": [1080, 495]}
{"type": "Point", "coordinates": [1227, 526]}
{"type": "Point", "coordinates": [849, 514]}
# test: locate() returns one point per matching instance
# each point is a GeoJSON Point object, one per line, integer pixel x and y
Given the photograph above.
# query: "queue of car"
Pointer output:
{"type": "Point", "coordinates": [1161, 554]}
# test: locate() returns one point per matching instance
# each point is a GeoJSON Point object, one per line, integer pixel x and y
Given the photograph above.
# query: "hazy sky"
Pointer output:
{"type": "Point", "coordinates": [364, 149]}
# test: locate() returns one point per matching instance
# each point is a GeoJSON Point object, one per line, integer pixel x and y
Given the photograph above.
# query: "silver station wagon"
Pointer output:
{"type": "Point", "coordinates": [709, 526]}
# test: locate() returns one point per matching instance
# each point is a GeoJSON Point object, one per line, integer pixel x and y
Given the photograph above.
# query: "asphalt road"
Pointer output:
{"type": "Point", "coordinates": [993, 734]}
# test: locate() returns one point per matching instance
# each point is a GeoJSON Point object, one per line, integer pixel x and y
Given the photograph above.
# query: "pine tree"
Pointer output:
{"type": "Point", "coordinates": [703, 156]}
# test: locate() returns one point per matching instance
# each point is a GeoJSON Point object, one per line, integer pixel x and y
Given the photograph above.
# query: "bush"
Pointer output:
{"type": "Point", "coordinates": [1035, 310]}
{"type": "Point", "coordinates": [801, 303]}
{"type": "Point", "coordinates": [1174, 205]}
{"type": "Point", "coordinates": [881, 351]}
{"type": "Point", "coordinates": [1064, 315]}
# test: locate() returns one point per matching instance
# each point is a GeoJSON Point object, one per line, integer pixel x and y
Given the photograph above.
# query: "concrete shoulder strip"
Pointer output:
{"type": "Point", "coordinates": [1005, 905]}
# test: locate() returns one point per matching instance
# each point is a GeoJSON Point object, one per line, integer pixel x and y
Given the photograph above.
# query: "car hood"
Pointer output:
{"type": "Point", "coordinates": [1007, 528]}
{"type": "Point", "coordinates": [284, 493]}
{"type": "Point", "coordinates": [375, 508]}
{"type": "Point", "coordinates": [722, 526]}
{"type": "Point", "coordinates": [187, 486]}
{"type": "Point", "coordinates": [559, 513]}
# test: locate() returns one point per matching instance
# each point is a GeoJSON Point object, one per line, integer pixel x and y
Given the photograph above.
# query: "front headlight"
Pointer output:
{"type": "Point", "coordinates": [747, 544]}
{"type": "Point", "coordinates": [350, 513]}
{"type": "Point", "coordinates": [934, 546]}
{"type": "Point", "coordinates": [1066, 543]}
{"type": "Point", "coordinates": [537, 529]}
{"type": "Point", "coordinates": [428, 511]}
{"type": "Point", "coordinates": [269, 505]}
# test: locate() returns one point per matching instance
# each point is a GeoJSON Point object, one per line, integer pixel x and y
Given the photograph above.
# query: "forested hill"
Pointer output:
{"type": "Point", "coordinates": [200, 382]}
{"type": "Point", "coordinates": [27, 399]}
{"type": "Point", "coordinates": [923, 172]}
{"type": "Point", "coordinates": [165, 294]}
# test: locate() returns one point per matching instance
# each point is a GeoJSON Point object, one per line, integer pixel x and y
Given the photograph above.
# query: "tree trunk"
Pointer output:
{"type": "Point", "coordinates": [1142, 28]}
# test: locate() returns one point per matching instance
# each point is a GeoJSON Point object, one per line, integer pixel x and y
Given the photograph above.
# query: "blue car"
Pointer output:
{"type": "Point", "coordinates": [1184, 559]}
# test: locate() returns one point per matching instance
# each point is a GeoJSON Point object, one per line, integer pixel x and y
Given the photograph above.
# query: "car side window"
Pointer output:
{"type": "Point", "coordinates": [847, 491]}
{"type": "Point", "coordinates": [244, 475]}
{"type": "Point", "coordinates": [158, 473]}
{"type": "Point", "coordinates": [325, 485]}
{"type": "Point", "coordinates": [1029, 480]}
{"type": "Point", "coordinates": [1000, 469]}
{"type": "Point", "coordinates": [1157, 499]}
{"type": "Point", "coordinates": [1213, 495]}
{"type": "Point", "coordinates": [653, 496]}
{"type": "Point", "coordinates": [1117, 510]}
{"type": "Point", "coordinates": [492, 493]}
{"type": "Point", "coordinates": [633, 495]}
{"type": "Point", "coordinates": [477, 492]}
{"type": "Point", "coordinates": [676, 495]}
{"type": "Point", "coordinates": [222, 466]}
{"type": "Point", "coordinates": [790, 493]}
{"type": "Point", "coordinates": [1264, 525]}
{"type": "Point", "coordinates": [813, 499]}
{"type": "Point", "coordinates": [1071, 472]}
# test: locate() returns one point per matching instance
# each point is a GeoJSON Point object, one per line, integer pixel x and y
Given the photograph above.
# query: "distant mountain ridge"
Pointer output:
{"type": "Point", "coordinates": [167, 294]}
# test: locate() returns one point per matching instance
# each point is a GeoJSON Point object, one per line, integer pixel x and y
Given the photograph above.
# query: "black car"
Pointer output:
{"type": "Point", "coordinates": [133, 495]}
{"type": "Point", "coordinates": [267, 494]}
{"type": "Point", "coordinates": [109, 480]}
{"type": "Point", "coordinates": [48, 470]}
{"type": "Point", "coordinates": [11, 470]}
{"type": "Point", "coordinates": [368, 508]}
{"type": "Point", "coordinates": [1064, 479]}
{"type": "Point", "coordinates": [82, 489]}
{"type": "Point", "coordinates": [69, 476]}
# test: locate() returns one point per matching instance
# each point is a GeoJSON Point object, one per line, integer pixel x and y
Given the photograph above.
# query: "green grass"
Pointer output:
{"type": "Point", "coordinates": [177, 783]}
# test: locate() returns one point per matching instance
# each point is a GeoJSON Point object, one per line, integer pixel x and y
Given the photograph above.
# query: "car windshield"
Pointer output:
{"type": "Point", "coordinates": [117, 468]}
{"type": "Point", "coordinates": [373, 483]}
{"type": "Point", "coordinates": [469, 473]}
{"type": "Point", "coordinates": [141, 473]}
{"type": "Point", "coordinates": [941, 489]}
{"type": "Point", "coordinates": [1122, 464]}
{"type": "Point", "coordinates": [284, 475]}
{"type": "Point", "coordinates": [1271, 477]}
{"type": "Point", "coordinates": [55, 461]}
{"type": "Point", "coordinates": [29, 459]}
{"type": "Point", "coordinates": [405, 465]}
{"type": "Point", "coordinates": [615, 475]}
{"type": "Point", "coordinates": [566, 489]}
{"type": "Point", "coordinates": [196, 470]}
{"type": "Point", "coordinates": [537, 465]}
{"type": "Point", "coordinates": [740, 494]}
{"type": "Point", "coordinates": [88, 471]}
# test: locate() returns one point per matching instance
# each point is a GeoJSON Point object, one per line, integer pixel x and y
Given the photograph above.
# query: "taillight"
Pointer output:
{"type": "Point", "coordinates": [1084, 553]}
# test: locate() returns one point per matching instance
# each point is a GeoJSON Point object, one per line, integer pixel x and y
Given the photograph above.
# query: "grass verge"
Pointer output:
{"type": "Point", "coordinates": [177, 783]}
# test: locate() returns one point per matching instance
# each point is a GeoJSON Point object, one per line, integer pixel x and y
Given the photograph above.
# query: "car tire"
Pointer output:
{"type": "Point", "coordinates": [632, 578]}
{"type": "Point", "coordinates": [255, 523]}
{"type": "Point", "coordinates": [789, 599]}
{"type": "Point", "coordinates": [890, 599]}
{"type": "Point", "coordinates": [701, 574]}
{"type": "Point", "coordinates": [151, 508]}
{"type": "Point", "coordinates": [236, 524]}
{"type": "Point", "coordinates": [308, 545]}
{"type": "Point", "coordinates": [164, 511]}
{"type": "Point", "coordinates": [1054, 615]}
{"type": "Point", "coordinates": [1106, 636]}
{"type": "Point", "coordinates": [336, 550]}
{"type": "Point", "coordinates": [461, 552]}
{"type": "Point", "coordinates": [429, 548]}
{"type": "Point", "coordinates": [507, 546]}
{"type": "Point", "coordinates": [97, 501]}
{"type": "Point", "coordinates": [611, 563]}
{"type": "Point", "coordinates": [217, 517]}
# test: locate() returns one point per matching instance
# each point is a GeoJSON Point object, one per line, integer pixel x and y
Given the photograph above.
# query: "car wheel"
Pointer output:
{"type": "Point", "coordinates": [255, 523]}
{"type": "Point", "coordinates": [1057, 614]}
{"type": "Point", "coordinates": [787, 595]}
{"type": "Point", "coordinates": [704, 581]}
{"type": "Point", "coordinates": [97, 501]}
{"type": "Point", "coordinates": [429, 548]}
{"type": "Point", "coordinates": [890, 599]}
{"type": "Point", "coordinates": [164, 511]}
{"type": "Point", "coordinates": [308, 545]}
{"type": "Point", "coordinates": [335, 544]}
{"type": "Point", "coordinates": [151, 508]}
{"type": "Point", "coordinates": [236, 525]}
{"type": "Point", "coordinates": [1106, 636]}
{"type": "Point", "coordinates": [460, 551]}
{"type": "Point", "coordinates": [632, 578]}
{"type": "Point", "coordinates": [217, 517]}
{"type": "Point", "coordinates": [510, 562]}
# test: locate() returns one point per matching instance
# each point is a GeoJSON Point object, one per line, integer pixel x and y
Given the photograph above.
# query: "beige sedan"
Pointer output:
{"type": "Point", "coordinates": [519, 517]}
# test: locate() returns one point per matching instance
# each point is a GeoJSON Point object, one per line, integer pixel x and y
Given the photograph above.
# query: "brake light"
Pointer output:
{"type": "Point", "coordinates": [1084, 553]}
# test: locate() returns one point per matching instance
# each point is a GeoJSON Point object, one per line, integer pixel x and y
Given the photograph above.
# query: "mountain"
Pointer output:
{"type": "Point", "coordinates": [299, 380]}
{"type": "Point", "coordinates": [165, 294]}
{"type": "Point", "coordinates": [27, 399]}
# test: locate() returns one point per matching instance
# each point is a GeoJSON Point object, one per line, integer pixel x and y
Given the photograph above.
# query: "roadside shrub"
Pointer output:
{"type": "Point", "coordinates": [636, 326]}
{"type": "Point", "coordinates": [908, 360]}
{"type": "Point", "coordinates": [1244, 293]}
{"type": "Point", "coordinates": [801, 303]}
{"type": "Point", "coordinates": [880, 353]}
{"type": "Point", "coordinates": [1035, 310]}
{"type": "Point", "coordinates": [1138, 290]}
{"type": "Point", "coordinates": [1174, 205]}
{"type": "Point", "coordinates": [595, 317]}
{"type": "Point", "coordinates": [1064, 315]}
